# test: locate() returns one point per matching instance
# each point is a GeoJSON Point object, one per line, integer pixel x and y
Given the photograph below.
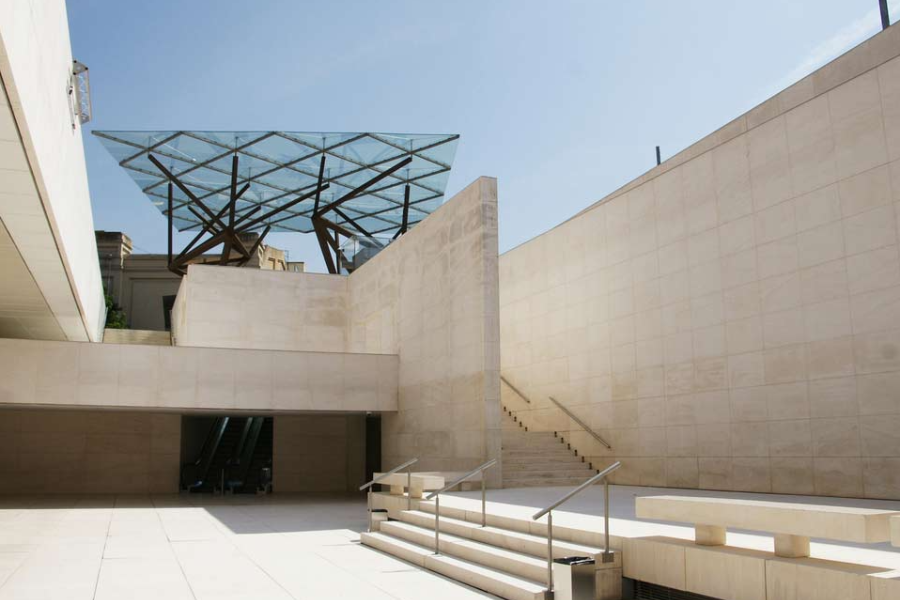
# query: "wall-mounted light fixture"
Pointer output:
{"type": "Point", "coordinates": [80, 93]}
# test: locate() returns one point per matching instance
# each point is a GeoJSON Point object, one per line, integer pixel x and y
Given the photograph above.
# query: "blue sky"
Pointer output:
{"type": "Point", "coordinates": [562, 101]}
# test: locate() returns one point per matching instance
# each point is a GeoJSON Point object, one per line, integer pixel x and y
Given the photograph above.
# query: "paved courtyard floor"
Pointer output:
{"type": "Point", "coordinates": [201, 547]}
{"type": "Point", "coordinates": [285, 547]}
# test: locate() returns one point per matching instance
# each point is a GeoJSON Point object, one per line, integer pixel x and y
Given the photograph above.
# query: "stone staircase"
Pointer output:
{"type": "Point", "coordinates": [505, 562]}
{"type": "Point", "coordinates": [533, 459]}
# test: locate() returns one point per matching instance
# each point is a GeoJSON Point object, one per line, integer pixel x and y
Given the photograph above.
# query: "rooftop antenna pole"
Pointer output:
{"type": "Point", "coordinates": [885, 17]}
{"type": "Point", "coordinates": [658, 160]}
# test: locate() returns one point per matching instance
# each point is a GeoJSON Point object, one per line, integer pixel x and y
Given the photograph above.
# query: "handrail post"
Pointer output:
{"type": "Point", "coordinates": [606, 515]}
{"type": "Point", "coordinates": [550, 553]}
{"type": "Point", "coordinates": [483, 501]}
{"type": "Point", "coordinates": [437, 524]}
{"type": "Point", "coordinates": [604, 474]}
{"type": "Point", "coordinates": [368, 486]}
{"type": "Point", "coordinates": [437, 499]}
{"type": "Point", "coordinates": [369, 504]}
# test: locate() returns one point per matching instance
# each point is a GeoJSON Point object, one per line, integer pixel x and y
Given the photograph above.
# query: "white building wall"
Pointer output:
{"type": "Point", "coordinates": [57, 243]}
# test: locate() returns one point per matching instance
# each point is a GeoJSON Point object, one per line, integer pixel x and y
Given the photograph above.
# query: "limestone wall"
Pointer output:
{"type": "Point", "coordinates": [85, 451]}
{"type": "Point", "coordinates": [431, 298]}
{"type": "Point", "coordinates": [319, 453]}
{"type": "Point", "coordinates": [261, 309]}
{"type": "Point", "coordinates": [210, 379]}
{"type": "Point", "coordinates": [730, 319]}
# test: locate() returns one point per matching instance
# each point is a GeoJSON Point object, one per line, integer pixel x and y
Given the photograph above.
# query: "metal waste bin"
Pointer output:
{"type": "Point", "coordinates": [573, 578]}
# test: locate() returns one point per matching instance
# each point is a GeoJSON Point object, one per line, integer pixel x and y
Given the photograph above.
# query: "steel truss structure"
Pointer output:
{"type": "Point", "coordinates": [358, 185]}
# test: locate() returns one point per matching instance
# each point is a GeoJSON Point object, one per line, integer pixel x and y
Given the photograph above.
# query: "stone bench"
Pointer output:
{"type": "Point", "coordinates": [792, 524]}
{"type": "Point", "coordinates": [419, 482]}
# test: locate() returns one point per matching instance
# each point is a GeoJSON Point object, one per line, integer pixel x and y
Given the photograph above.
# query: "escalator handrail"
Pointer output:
{"type": "Point", "coordinates": [209, 450]}
{"type": "Point", "coordinates": [246, 457]}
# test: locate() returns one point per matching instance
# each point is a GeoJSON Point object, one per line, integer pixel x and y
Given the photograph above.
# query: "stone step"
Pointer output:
{"type": "Point", "coordinates": [530, 456]}
{"type": "Point", "coordinates": [541, 482]}
{"type": "Point", "coordinates": [535, 447]}
{"type": "Point", "coordinates": [517, 541]}
{"type": "Point", "coordinates": [519, 432]}
{"type": "Point", "coordinates": [538, 442]}
{"type": "Point", "coordinates": [561, 472]}
{"type": "Point", "coordinates": [544, 465]}
{"type": "Point", "coordinates": [484, 578]}
{"type": "Point", "coordinates": [501, 559]}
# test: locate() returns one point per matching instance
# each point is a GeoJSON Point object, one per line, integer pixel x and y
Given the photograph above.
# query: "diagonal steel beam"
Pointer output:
{"type": "Point", "coordinates": [355, 192]}
{"type": "Point", "coordinates": [186, 191]}
{"type": "Point", "coordinates": [279, 209]}
{"type": "Point", "coordinates": [322, 236]}
{"type": "Point", "coordinates": [255, 248]}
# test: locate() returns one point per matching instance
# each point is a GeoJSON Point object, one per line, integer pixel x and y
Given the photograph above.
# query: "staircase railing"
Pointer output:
{"type": "Point", "coordinates": [382, 477]}
{"type": "Point", "coordinates": [515, 389]}
{"type": "Point", "coordinates": [568, 412]}
{"type": "Point", "coordinates": [437, 499]}
{"type": "Point", "coordinates": [549, 512]}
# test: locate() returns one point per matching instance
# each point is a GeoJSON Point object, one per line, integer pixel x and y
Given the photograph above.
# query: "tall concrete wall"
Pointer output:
{"type": "Point", "coordinates": [431, 297]}
{"type": "Point", "coordinates": [86, 451]}
{"type": "Point", "coordinates": [319, 453]}
{"type": "Point", "coordinates": [730, 319]}
{"type": "Point", "coordinates": [170, 378]}
{"type": "Point", "coordinates": [261, 309]}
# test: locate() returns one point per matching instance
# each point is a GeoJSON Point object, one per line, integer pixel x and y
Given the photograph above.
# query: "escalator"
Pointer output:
{"type": "Point", "coordinates": [262, 457]}
{"type": "Point", "coordinates": [232, 456]}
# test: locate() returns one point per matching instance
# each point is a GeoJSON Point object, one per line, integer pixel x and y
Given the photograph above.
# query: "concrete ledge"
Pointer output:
{"type": "Point", "coordinates": [147, 377]}
{"type": "Point", "coordinates": [819, 579]}
{"type": "Point", "coordinates": [658, 560]}
{"type": "Point", "coordinates": [885, 586]}
{"type": "Point", "coordinates": [726, 572]}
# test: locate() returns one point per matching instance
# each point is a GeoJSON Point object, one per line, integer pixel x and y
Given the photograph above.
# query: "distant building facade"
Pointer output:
{"type": "Point", "coordinates": [143, 287]}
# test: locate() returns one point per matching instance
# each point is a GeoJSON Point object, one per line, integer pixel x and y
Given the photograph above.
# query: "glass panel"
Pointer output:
{"type": "Point", "coordinates": [353, 159]}
{"type": "Point", "coordinates": [190, 149]}
{"type": "Point", "coordinates": [279, 149]}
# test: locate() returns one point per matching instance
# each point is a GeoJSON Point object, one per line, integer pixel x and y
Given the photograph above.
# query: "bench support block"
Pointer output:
{"type": "Point", "coordinates": [791, 546]}
{"type": "Point", "coordinates": [709, 535]}
{"type": "Point", "coordinates": [608, 576]}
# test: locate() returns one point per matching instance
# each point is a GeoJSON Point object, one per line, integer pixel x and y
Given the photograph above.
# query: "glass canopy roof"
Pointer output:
{"type": "Point", "coordinates": [279, 166]}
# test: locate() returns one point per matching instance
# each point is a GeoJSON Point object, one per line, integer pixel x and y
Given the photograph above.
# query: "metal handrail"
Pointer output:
{"type": "Point", "coordinates": [515, 389]}
{"type": "Point", "coordinates": [549, 512]}
{"type": "Point", "coordinates": [384, 476]}
{"type": "Point", "coordinates": [437, 500]}
{"type": "Point", "coordinates": [568, 412]}
{"type": "Point", "coordinates": [580, 422]}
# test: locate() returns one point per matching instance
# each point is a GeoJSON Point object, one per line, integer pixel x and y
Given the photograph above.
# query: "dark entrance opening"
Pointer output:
{"type": "Point", "coordinates": [226, 453]}
{"type": "Point", "coordinates": [168, 305]}
{"type": "Point", "coordinates": [373, 445]}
